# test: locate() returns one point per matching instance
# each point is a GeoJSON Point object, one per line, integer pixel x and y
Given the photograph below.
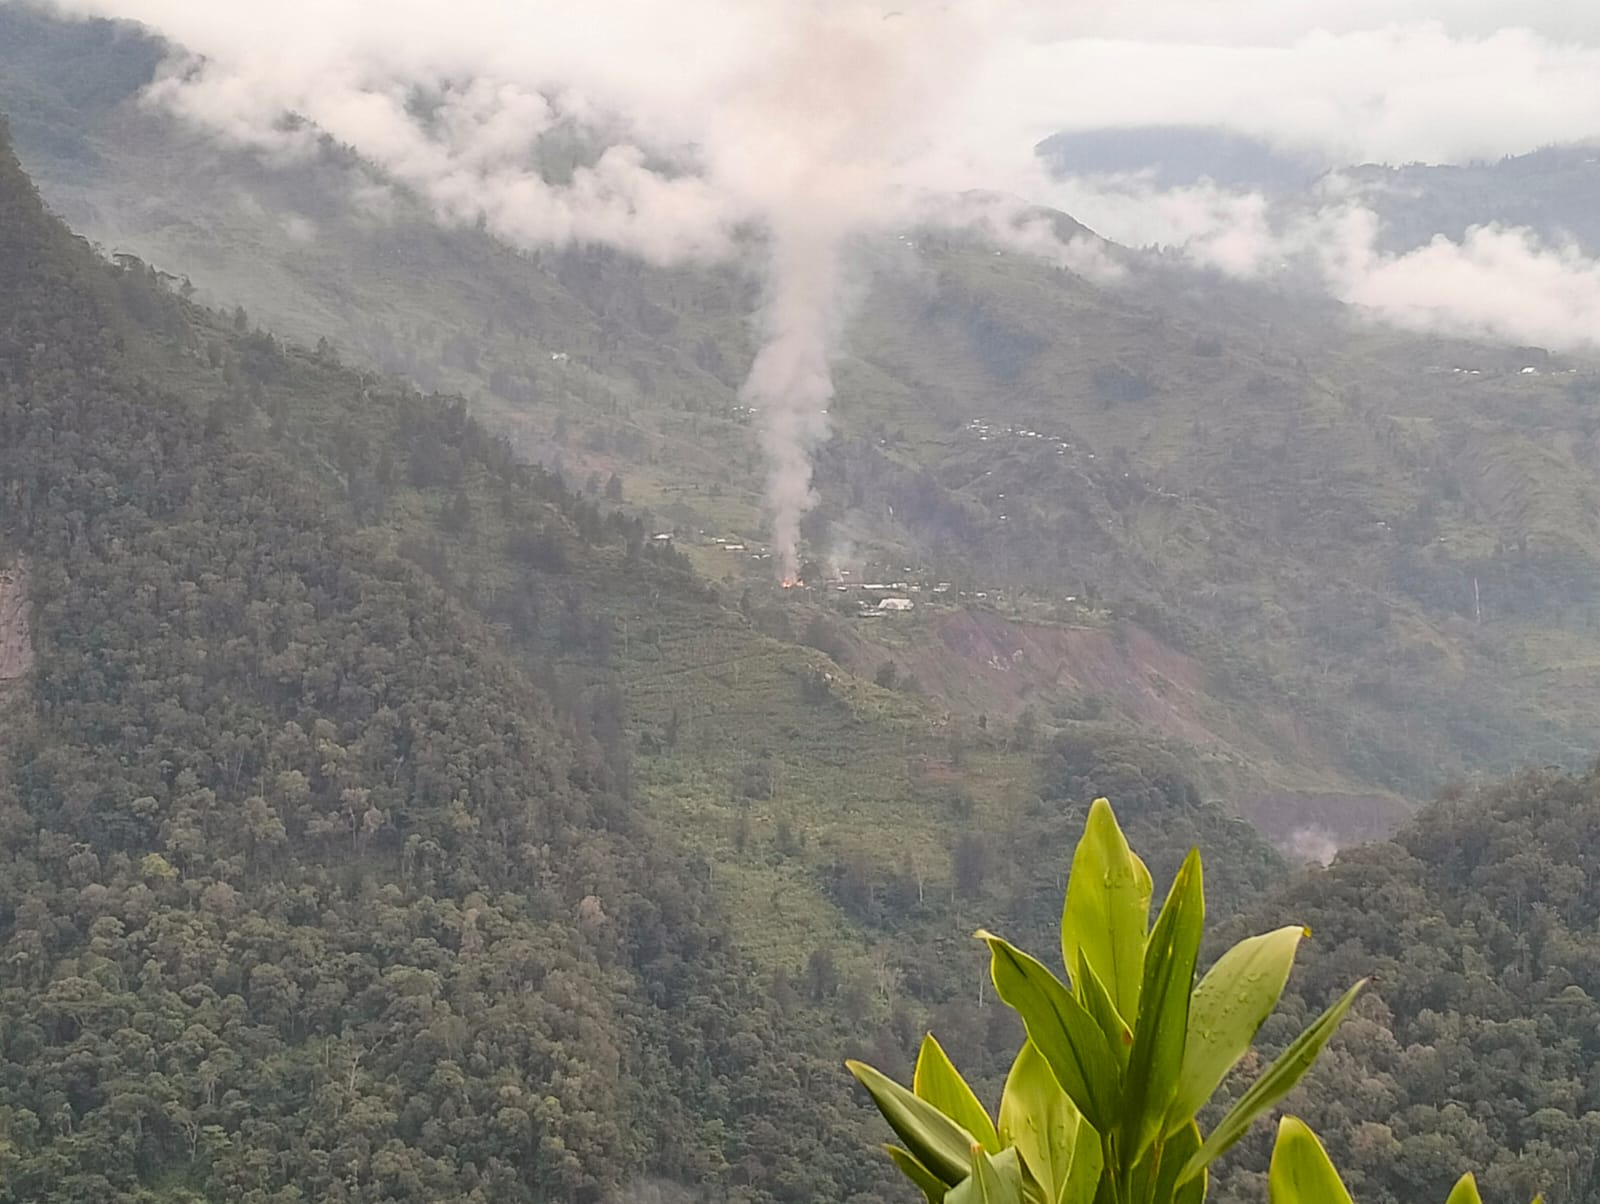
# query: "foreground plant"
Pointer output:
{"type": "Point", "coordinates": [1120, 1056]}
{"type": "Point", "coordinates": [1302, 1173]}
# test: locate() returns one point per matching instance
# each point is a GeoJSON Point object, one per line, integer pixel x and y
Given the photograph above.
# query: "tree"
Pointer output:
{"type": "Point", "coordinates": [456, 517]}
{"type": "Point", "coordinates": [1026, 729]}
{"type": "Point", "coordinates": [755, 779]}
{"type": "Point", "coordinates": [821, 975]}
{"type": "Point", "coordinates": [816, 687]}
{"type": "Point", "coordinates": [970, 863]}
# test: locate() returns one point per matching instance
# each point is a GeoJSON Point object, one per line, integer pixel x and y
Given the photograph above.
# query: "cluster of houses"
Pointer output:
{"type": "Point", "coordinates": [879, 598]}
{"type": "Point", "coordinates": [985, 432]}
{"type": "Point", "coordinates": [876, 598]}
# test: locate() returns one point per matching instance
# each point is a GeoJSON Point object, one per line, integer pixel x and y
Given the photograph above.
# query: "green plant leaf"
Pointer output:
{"type": "Point", "coordinates": [1093, 995]}
{"type": "Point", "coordinates": [925, 1179]}
{"type": "Point", "coordinates": [1158, 1036]}
{"type": "Point", "coordinates": [1084, 1179]}
{"type": "Point", "coordinates": [1236, 995]}
{"type": "Point", "coordinates": [1040, 1121]}
{"type": "Point", "coordinates": [1063, 1031]}
{"type": "Point", "coordinates": [1465, 1191]}
{"type": "Point", "coordinates": [937, 1081]}
{"type": "Point", "coordinates": [933, 1139]}
{"type": "Point", "coordinates": [992, 1180]}
{"type": "Point", "coordinates": [1300, 1172]}
{"type": "Point", "coordinates": [1273, 1085]}
{"type": "Point", "coordinates": [1181, 1147]}
{"type": "Point", "coordinates": [1162, 1162]}
{"type": "Point", "coordinates": [1107, 910]}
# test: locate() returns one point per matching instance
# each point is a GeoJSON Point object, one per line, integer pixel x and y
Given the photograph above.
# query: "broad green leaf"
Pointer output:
{"type": "Point", "coordinates": [1088, 1159]}
{"type": "Point", "coordinates": [1162, 1162]}
{"type": "Point", "coordinates": [1227, 1010]}
{"type": "Point", "coordinates": [1300, 1172]}
{"type": "Point", "coordinates": [1181, 1147]}
{"type": "Point", "coordinates": [925, 1179]}
{"type": "Point", "coordinates": [1093, 995]}
{"type": "Point", "coordinates": [1040, 1121]}
{"type": "Point", "coordinates": [937, 1081]}
{"type": "Point", "coordinates": [1272, 1086]}
{"type": "Point", "coordinates": [1062, 1030]}
{"type": "Point", "coordinates": [1192, 1191]}
{"type": "Point", "coordinates": [1158, 1036]}
{"type": "Point", "coordinates": [934, 1140]}
{"type": "Point", "coordinates": [1107, 911]}
{"type": "Point", "coordinates": [996, 1180]}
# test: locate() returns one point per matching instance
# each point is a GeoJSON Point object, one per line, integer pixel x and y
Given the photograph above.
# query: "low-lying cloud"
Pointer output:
{"type": "Point", "coordinates": [1497, 282]}
{"type": "Point", "coordinates": [701, 114]}
{"type": "Point", "coordinates": [779, 132]}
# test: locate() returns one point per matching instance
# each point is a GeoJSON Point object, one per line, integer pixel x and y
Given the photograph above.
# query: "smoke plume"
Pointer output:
{"type": "Point", "coordinates": [791, 381]}
{"type": "Point", "coordinates": [820, 145]}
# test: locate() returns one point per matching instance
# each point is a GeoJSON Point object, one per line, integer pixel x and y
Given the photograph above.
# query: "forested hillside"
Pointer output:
{"type": "Point", "coordinates": [308, 892]}
{"type": "Point", "coordinates": [1477, 1045]}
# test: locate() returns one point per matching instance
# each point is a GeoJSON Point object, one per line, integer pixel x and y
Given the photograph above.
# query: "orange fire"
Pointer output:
{"type": "Point", "coordinates": [789, 583]}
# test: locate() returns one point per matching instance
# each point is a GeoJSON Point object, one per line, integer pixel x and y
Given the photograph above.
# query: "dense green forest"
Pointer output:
{"type": "Point", "coordinates": [309, 892]}
{"type": "Point", "coordinates": [1477, 1047]}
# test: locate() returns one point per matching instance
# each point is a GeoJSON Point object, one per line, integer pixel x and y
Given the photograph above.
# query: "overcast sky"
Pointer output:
{"type": "Point", "coordinates": [1391, 80]}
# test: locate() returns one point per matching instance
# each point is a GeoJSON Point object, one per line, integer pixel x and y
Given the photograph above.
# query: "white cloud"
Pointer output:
{"type": "Point", "coordinates": [300, 229]}
{"type": "Point", "coordinates": [1397, 93]}
{"type": "Point", "coordinates": [823, 118]}
{"type": "Point", "coordinates": [1281, 22]}
{"type": "Point", "coordinates": [1008, 222]}
{"type": "Point", "coordinates": [727, 84]}
{"type": "Point", "coordinates": [1497, 282]}
{"type": "Point", "coordinates": [1231, 231]}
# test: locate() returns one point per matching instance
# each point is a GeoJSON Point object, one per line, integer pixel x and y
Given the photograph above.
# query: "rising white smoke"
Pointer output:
{"type": "Point", "coordinates": [820, 145]}
{"type": "Point", "coordinates": [791, 380]}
